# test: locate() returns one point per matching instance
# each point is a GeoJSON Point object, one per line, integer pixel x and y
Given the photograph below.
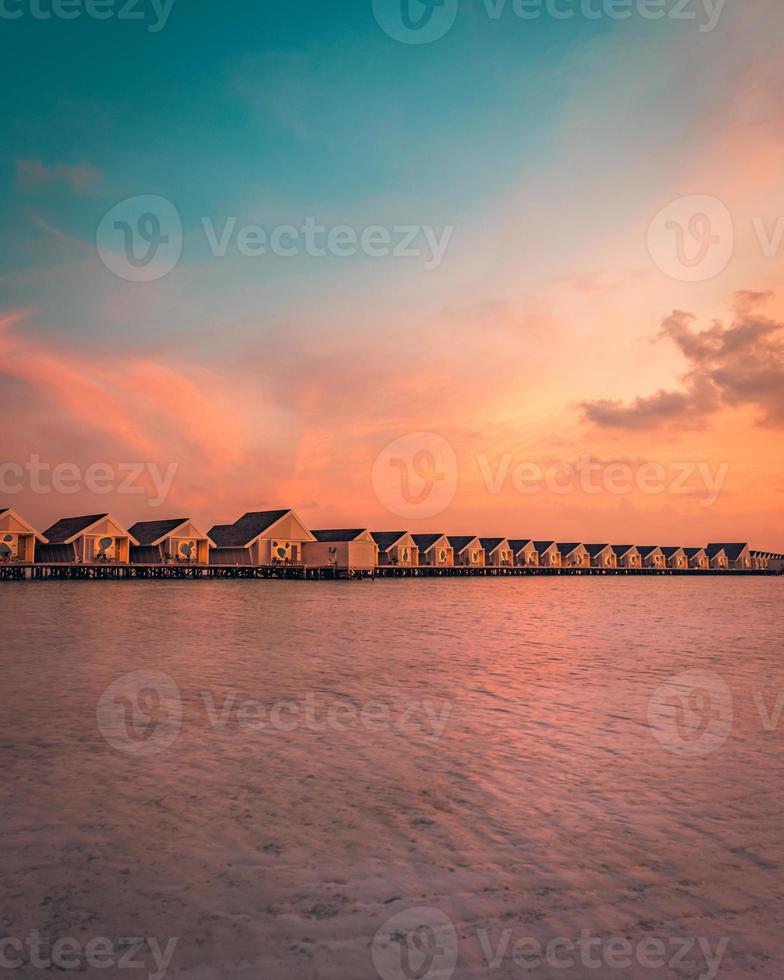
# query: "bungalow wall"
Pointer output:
{"type": "Point", "coordinates": [17, 544]}
{"type": "Point", "coordinates": [440, 556]}
{"type": "Point", "coordinates": [471, 558]}
{"type": "Point", "coordinates": [340, 554]}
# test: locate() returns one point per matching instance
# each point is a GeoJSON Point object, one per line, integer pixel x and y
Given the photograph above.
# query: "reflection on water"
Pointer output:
{"type": "Point", "coordinates": [268, 772]}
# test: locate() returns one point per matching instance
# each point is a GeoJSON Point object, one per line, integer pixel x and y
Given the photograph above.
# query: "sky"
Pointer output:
{"type": "Point", "coordinates": [499, 267]}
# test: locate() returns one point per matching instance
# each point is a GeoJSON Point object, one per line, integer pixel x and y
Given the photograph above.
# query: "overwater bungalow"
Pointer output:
{"type": "Point", "coordinates": [260, 538]}
{"type": "Point", "coordinates": [675, 557]}
{"type": "Point", "coordinates": [176, 541]}
{"type": "Point", "coordinates": [498, 552]}
{"type": "Point", "coordinates": [549, 555]}
{"type": "Point", "coordinates": [98, 539]}
{"type": "Point", "coordinates": [467, 550]}
{"type": "Point", "coordinates": [17, 539]}
{"type": "Point", "coordinates": [697, 558]}
{"type": "Point", "coordinates": [717, 558]}
{"type": "Point", "coordinates": [738, 555]}
{"type": "Point", "coordinates": [524, 553]}
{"type": "Point", "coordinates": [766, 560]}
{"type": "Point", "coordinates": [627, 556]}
{"type": "Point", "coordinates": [352, 549]}
{"type": "Point", "coordinates": [574, 555]}
{"type": "Point", "coordinates": [434, 550]}
{"type": "Point", "coordinates": [396, 548]}
{"type": "Point", "coordinates": [651, 556]}
{"type": "Point", "coordinates": [602, 555]}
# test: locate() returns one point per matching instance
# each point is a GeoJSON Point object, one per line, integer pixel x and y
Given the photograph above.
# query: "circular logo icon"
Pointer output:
{"type": "Point", "coordinates": [693, 238]}
{"type": "Point", "coordinates": [415, 21]}
{"type": "Point", "coordinates": [692, 714]}
{"type": "Point", "coordinates": [416, 944]}
{"type": "Point", "coordinates": [140, 239]}
{"type": "Point", "coordinates": [416, 475]}
{"type": "Point", "coordinates": [140, 713]}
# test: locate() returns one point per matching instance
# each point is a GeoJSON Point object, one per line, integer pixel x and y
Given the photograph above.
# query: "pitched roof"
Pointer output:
{"type": "Point", "coordinates": [567, 549]}
{"type": "Point", "coordinates": [596, 549]}
{"type": "Point", "coordinates": [490, 544]}
{"type": "Point", "coordinates": [328, 536]}
{"type": "Point", "coordinates": [671, 550]}
{"type": "Point", "coordinates": [68, 527]}
{"type": "Point", "coordinates": [542, 546]}
{"type": "Point", "coordinates": [693, 552]}
{"type": "Point", "coordinates": [426, 541]}
{"type": "Point", "coordinates": [3, 510]}
{"type": "Point", "coordinates": [732, 551]}
{"type": "Point", "coordinates": [647, 549]}
{"type": "Point", "coordinates": [245, 531]}
{"type": "Point", "coordinates": [461, 542]}
{"type": "Point", "coordinates": [518, 544]}
{"type": "Point", "coordinates": [387, 539]}
{"type": "Point", "coordinates": [622, 549]}
{"type": "Point", "coordinates": [151, 532]}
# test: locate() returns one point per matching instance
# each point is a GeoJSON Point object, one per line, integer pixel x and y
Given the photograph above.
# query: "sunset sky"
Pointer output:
{"type": "Point", "coordinates": [557, 331]}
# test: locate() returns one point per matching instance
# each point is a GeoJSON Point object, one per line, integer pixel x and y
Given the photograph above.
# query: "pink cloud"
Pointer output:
{"type": "Point", "coordinates": [81, 177]}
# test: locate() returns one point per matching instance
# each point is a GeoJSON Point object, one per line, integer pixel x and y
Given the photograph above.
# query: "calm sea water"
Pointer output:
{"type": "Point", "coordinates": [397, 780]}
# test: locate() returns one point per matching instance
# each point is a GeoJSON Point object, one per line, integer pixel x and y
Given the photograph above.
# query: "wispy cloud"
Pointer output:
{"type": "Point", "coordinates": [81, 177]}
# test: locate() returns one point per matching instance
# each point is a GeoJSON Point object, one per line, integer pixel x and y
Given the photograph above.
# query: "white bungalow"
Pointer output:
{"type": "Point", "coordinates": [524, 552]}
{"type": "Point", "coordinates": [396, 548]}
{"type": "Point", "coordinates": [675, 558]}
{"type": "Point", "coordinates": [467, 550]}
{"type": "Point", "coordinates": [627, 556]}
{"type": "Point", "coordinates": [651, 556]}
{"type": "Point", "coordinates": [268, 537]}
{"type": "Point", "coordinates": [17, 539]}
{"type": "Point", "coordinates": [434, 550]}
{"type": "Point", "coordinates": [717, 558]}
{"type": "Point", "coordinates": [348, 550]}
{"type": "Point", "coordinates": [574, 555]}
{"type": "Point", "coordinates": [498, 552]}
{"type": "Point", "coordinates": [602, 555]}
{"type": "Point", "coordinates": [697, 559]}
{"type": "Point", "coordinates": [549, 555]}
{"type": "Point", "coordinates": [95, 540]}
{"type": "Point", "coordinates": [177, 541]}
{"type": "Point", "coordinates": [738, 555]}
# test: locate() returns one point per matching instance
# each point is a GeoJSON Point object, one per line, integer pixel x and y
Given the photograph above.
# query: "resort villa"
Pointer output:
{"type": "Point", "coordinates": [435, 551]}
{"type": "Point", "coordinates": [269, 537]}
{"type": "Point", "coordinates": [498, 552]}
{"type": "Point", "coordinates": [17, 538]}
{"type": "Point", "coordinates": [602, 555]}
{"type": "Point", "coordinates": [574, 555]}
{"type": "Point", "coordinates": [176, 540]}
{"type": "Point", "coordinates": [396, 548]}
{"type": "Point", "coordinates": [651, 556]}
{"type": "Point", "coordinates": [86, 540]}
{"type": "Point", "coordinates": [738, 556]}
{"type": "Point", "coordinates": [627, 556]}
{"type": "Point", "coordinates": [717, 557]}
{"type": "Point", "coordinates": [697, 558]}
{"type": "Point", "coordinates": [675, 558]}
{"type": "Point", "coordinates": [549, 555]}
{"type": "Point", "coordinates": [344, 549]}
{"type": "Point", "coordinates": [524, 552]}
{"type": "Point", "coordinates": [467, 550]}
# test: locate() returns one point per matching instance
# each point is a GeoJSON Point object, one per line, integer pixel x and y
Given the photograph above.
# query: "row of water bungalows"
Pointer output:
{"type": "Point", "coordinates": [279, 538]}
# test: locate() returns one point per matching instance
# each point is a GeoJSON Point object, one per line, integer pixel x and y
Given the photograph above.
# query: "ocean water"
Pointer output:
{"type": "Point", "coordinates": [394, 780]}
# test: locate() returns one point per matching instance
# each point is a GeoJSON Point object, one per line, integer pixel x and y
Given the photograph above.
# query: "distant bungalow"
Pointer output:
{"type": "Point", "coordinates": [343, 549]}
{"type": "Point", "coordinates": [524, 553]}
{"type": "Point", "coordinates": [435, 551]}
{"type": "Point", "coordinates": [651, 556]}
{"type": "Point", "coordinates": [17, 538]}
{"type": "Point", "coordinates": [697, 558]}
{"type": "Point", "coordinates": [268, 537]}
{"type": "Point", "coordinates": [177, 540]}
{"type": "Point", "coordinates": [574, 555]}
{"type": "Point", "coordinates": [549, 555]}
{"type": "Point", "coordinates": [738, 556]}
{"type": "Point", "coordinates": [627, 556]}
{"type": "Point", "coordinates": [602, 556]}
{"type": "Point", "coordinates": [675, 558]}
{"type": "Point", "coordinates": [87, 540]}
{"type": "Point", "coordinates": [498, 552]}
{"type": "Point", "coordinates": [396, 548]}
{"type": "Point", "coordinates": [467, 550]}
